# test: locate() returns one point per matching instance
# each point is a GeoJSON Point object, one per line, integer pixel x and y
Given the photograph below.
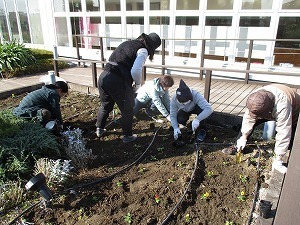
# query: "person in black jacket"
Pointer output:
{"type": "Point", "coordinates": [43, 104]}
{"type": "Point", "coordinates": [120, 80]}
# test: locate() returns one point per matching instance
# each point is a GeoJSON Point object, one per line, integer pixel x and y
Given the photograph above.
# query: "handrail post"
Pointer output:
{"type": "Point", "coordinates": [55, 67]}
{"type": "Point", "coordinates": [207, 84]}
{"type": "Point", "coordinates": [77, 49]}
{"type": "Point", "coordinates": [102, 52]}
{"type": "Point", "coordinates": [249, 61]}
{"type": "Point", "coordinates": [163, 56]}
{"type": "Point", "coordinates": [144, 75]}
{"type": "Point", "coordinates": [202, 59]}
{"type": "Point", "coordinates": [94, 74]}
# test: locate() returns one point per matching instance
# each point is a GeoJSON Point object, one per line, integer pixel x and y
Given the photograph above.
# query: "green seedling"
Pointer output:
{"type": "Point", "coordinates": [110, 169]}
{"type": "Point", "coordinates": [229, 223]}
{"type": "Point", "coordinates": [127, 218]}
{"type": "Point", "coordinates": [242, 196]}
{"type": "Point", "coordinates": [171, 180]}
{"type": "Point", "coordinates": [180, 164]}
{"type": "Point", "coordinates": [153, 158]}
{"type": "Point", "coordinates": [215, 139]}
{"type": "Point", "coordinates": [160, 149]}
{"type": "Point", "coordinates": [187, 218]}
{"type": "Point", "coordinates": [13, 95]}
{"type": "Point", "coordinates": [137, 146]}
{"type": "Point", "coordinates": [226, 163]}
{"type": "Point", "coordinates": [210, 173]}
{"type": "Point", "coordinates": [157, 198]}
{"type": "Point", "coordinates": [205, 196]}
{"type": "Point", "coordinates": [119, 183]}
{"type": "Point", "coordinates": [243, 178]}
{"type": "Point", "coordinates": [165, 138]}
{"type": "Point", "coordinates": [142, 170]}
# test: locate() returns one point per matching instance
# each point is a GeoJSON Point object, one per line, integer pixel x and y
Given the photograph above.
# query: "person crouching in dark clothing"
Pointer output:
{"type": "Point", "coordinates": [120, 80]}
{"type": "Point", "coordinates": [43, 104]}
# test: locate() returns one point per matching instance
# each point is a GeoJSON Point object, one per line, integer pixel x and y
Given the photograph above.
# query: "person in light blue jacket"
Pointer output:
{"type": "Point", "coordinates": [154, 96]}
{"type": "Point", "coordinates": [184, 103]}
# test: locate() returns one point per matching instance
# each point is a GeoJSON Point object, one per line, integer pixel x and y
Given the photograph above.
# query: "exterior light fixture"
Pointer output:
{"type": "Point", "coordinates": [38, 183]}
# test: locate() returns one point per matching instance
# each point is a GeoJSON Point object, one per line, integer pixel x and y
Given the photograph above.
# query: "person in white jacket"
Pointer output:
{"type": "Point", "coordinates": [184, 103]}
{"type": "Point", "coordinates": [154, 96]}
{"type": "Point", "coordinates": [275, 102]}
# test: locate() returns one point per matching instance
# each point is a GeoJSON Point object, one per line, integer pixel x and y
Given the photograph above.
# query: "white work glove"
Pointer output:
{"type": "Point", "coordinates": [176, 133]}
{"type": "Point", "coordinates": [241, 143]}
{"type": "Point", "coordinates": [168, 118]}
{"type": "Point", "coordinates": [136, 87]}
{"type": "Point", "coordinates": [195, 124]}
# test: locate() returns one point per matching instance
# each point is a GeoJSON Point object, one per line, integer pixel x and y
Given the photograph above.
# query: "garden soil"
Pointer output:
{"type": "Point", "coordinates": [147, 181]}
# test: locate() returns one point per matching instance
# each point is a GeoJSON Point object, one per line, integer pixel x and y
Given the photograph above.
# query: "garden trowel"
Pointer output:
{"type": "Point", "coordinates": [239, 155]}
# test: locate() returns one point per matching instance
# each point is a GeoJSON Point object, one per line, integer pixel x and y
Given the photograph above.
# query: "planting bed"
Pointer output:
{"type": "Point", "coordinates": [145, 193]}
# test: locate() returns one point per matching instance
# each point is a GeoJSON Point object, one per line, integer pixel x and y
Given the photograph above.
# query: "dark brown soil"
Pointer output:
{"type": "Point", "coordinates": [157, 170]}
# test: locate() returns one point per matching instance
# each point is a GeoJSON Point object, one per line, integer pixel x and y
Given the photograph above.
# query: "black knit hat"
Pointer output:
{"type": "Point", "coordinates": [183, 93]}
{"type": "Point", "coordinates": [154, 40]}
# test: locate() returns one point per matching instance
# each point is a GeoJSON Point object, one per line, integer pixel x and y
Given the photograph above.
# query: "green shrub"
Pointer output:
{"type": "Point", "coordinates": [14, 55]}
{"type": "Point", "coordinates": [9, 124]}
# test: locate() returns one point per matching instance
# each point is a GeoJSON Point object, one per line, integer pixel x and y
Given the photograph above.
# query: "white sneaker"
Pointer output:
{"type": "Point", "coordinates": [278, 165]}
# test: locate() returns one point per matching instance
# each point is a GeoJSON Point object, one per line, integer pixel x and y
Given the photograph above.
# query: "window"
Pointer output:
{"type": "Point", "coordinates": [92, 5]}
{"type": "Point", "coordinates": [3, 23]}
{"type": "Point", "coordinates": [158, 20]}
{"type": "Point", "coordinates": [219, 4]}
{"type": "Point", "coordinates": [75, 5]}
{"type": "Point", "coordinates": [112, 5]}
{"type": "Point", "coordinates": [135, 26]}
{"type": "Point", "coordinates": [59, 6]}
{"type": "Point", "coordinates": [61, 31]}
{"type": "Point", "coordinates": [257, 4]}
{"type": "Point", "coordinates": [35, 22]}
{"type": "Point", "coordinates": [187, 5]}
{"type": "Point", "coordinates": [159, 4]}
{"type": "Point", "coordinates": [134, 5]}
{"type": "Point", "coordinates": [288, 28]}
{"type": "Point", "coordinates": [218, 21]}
{"type": "Point", "coordinates": [24, 21]}
{"type": "Point", "coordinates": [254, 21]}
{"type": "Point", "coordinates": [13, 20]}
{"type": "Point", "coordinates": [291, 4]}
{"type": "Point", "coordinates": [187, 20]}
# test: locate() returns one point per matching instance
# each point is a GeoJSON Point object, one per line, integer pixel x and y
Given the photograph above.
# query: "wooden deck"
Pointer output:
{"type": "Point", "coordinates": [228, 98]}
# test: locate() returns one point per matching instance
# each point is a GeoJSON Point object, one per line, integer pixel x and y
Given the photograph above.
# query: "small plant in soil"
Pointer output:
{"type": "Point", "coordinates": [157, 198]}
{"type": "Point", "coordinates": [242, 196]}
{"type": "Point", "coordinates": [205, 196]}
{"type": "Point", "coordinates": [160, 149]}
{"type": "Point", "coordinates": [142, 170]}
{"type": "Point", "coordinates": [187, 218]}
{"type": "Point", "coordinates": [243, 178]}
{"type": "Point", "coordinates": [210, 173]}
{"type": "Point", "coordinates": [180, 164]}
{"type": "Point", "coordinates": [127, 218]}
{"type": "Point", "coordinates": [229, 223]}
{"type": "Point", "coordinates": [171, 180]}
{"type": "Point", "coordinates": [119, 184]}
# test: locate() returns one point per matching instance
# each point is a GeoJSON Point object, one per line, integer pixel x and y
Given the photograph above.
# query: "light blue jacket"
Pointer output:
{"type": "Point", "coordinates": [153, 92]}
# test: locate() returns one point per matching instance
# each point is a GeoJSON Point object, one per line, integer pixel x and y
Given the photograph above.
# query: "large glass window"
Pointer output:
{"type": "Point", "coordinates": [77, 25]}
{"type": "Point", "coordinates": [61, 31]}
{"type": "Point", "coordinates": [135, 26]}
{"type": "Point", "coordinates": [187, 5]}
{"type": "Point", "coordinates": [159, 4]}
{"type": "Point", "coordinates": [159, 25]}
{"type": "Point", "coordinates": [112, 5]}
{"type": "Point", "coordinates": [291, 4]}
{"type": "Point", "coordinates": [35, 22]}
{"type": "Point", "coordinates": [219, 5]}
{"type": "Point", "coordinates": [113, 29]}
{"type": "Point", "coordinates": [92, 5]}
{"type": "Point", "coordinates": [255, 21]}
{"type": "Point", "coordinates": [13, 20]}
{"type": "Point", "coordinates": [159, 20]}
{"type": "Point", "coordinates": [134, 5]}
{"type": "Point", "coordinates": [94, 29]}
{"type": "Point", "coordinates": [3, 23]}
{"type": "Point", "coordinates": [59, 6]}
{"type": "Point", "coordinates": [288, 28]}
{"type": "Point", "coordinates": [187, 20]}
{"type": "Point", "coordinates": [23, 21]}
{"type": "Point", "coordinates": [218, 21]}
{"type": "Point", "coordinates": [257, 4]}
{"type": "Point", "coordinates": [75, 5]}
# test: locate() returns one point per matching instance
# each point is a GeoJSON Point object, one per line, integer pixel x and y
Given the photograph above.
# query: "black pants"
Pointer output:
{"type": "Point", "coordinates": [183, 117]}
{"type": "Point", "coordinates": [113, 89]}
